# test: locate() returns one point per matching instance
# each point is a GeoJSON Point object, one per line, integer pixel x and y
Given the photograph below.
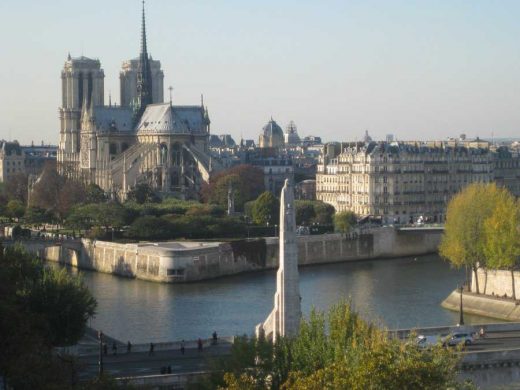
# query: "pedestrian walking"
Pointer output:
{"type": "Point", "coordinates": [129, 347]}
{"type": "Point", "coordinates": [114, 348]}
{"type": "Point", "coordinates": [199, 345]}
{"type": "Point", "coordinates": [215, 337]}
{"type": "Point", "coordinates": [182, 347]}
{"type": "Point", "coordinates": [169, 370]}
{"type": "Point", "coordinates": [150, 353]}
{"type": "Point", "coordinates": [105, 349]}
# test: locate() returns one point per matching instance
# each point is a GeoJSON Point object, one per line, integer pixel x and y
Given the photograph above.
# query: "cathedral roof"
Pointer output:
{"type": "Point", "coordinates": [164, 118]}
{"type": "Point", "coordinates": [110, 118]}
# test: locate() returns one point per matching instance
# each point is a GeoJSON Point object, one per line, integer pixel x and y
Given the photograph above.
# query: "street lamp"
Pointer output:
{"type": "Point", "coordinates": [100, 337]}
{"type": "Point", "coordinates": [461, 319]}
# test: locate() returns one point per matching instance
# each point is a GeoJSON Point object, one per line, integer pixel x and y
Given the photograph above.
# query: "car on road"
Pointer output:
{"type": "Point", "coordinates": [427, 341]}
{"type": "Point", "coordinates": [459, 338]}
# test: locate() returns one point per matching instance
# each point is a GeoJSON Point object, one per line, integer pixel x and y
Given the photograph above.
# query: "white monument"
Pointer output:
{"type": "Point", "coordinates": [285, 318]}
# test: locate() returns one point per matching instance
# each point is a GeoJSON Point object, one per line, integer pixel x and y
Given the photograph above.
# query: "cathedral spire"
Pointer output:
{"type": "Point", "coordinates": [144, 74]}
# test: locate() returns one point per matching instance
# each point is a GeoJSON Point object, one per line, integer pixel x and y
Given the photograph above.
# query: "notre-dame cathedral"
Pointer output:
{"type": "Point", "coordinates": [142, 140]}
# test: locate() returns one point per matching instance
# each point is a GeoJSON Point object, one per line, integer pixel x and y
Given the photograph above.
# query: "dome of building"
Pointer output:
{"type": "Point", "coordinates": [272, 135]}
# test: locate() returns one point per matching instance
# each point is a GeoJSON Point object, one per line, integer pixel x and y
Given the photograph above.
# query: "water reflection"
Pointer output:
{"type": "Point", "coordinates": [395, 293]}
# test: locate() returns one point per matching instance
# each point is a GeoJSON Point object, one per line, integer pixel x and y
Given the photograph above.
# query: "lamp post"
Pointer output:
{"type": "Point", "coordinates": [461, 319]}
{"type": "Point", "coordinates": [100, 337]}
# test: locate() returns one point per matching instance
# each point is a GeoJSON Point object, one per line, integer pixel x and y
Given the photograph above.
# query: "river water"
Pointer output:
{"type": "Point", "coordinates": [396, 293]}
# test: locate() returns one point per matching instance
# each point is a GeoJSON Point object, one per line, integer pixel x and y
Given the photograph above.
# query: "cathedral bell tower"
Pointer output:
{"type": "Point", "coordinates": [82, 81]}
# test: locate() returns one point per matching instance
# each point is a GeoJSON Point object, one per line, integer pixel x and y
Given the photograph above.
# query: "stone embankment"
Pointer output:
{"type": "Point", "coordinates": [187, 261]}
{"type": "Point", "coordinates": [495, 295]}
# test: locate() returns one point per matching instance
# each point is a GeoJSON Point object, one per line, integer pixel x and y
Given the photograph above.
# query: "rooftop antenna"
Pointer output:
{"type": "Point", "coordinates": [170, 88]}
{"type": "Point", "coordinates": [110, 98]}
{"type": "Point", "coordinates": [202, 100]}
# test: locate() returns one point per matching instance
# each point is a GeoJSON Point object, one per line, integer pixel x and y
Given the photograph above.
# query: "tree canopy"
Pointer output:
{"type": "Point", "coordinates": [464, 239]}
{"type": "Point", "coordinates": [40, 308]}
{"type": "Point", "coordinates": [344, 221]}
{"type": "Point", "coordinates": [266, 209]}
{"type": "Point", "coordinates": [337, 350]}
{"type": "Point", "coordinates": [247, 182]}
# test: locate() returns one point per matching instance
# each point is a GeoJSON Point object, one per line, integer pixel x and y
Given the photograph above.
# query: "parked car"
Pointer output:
{"type": "Point", "coordinates": [460, 338]}
{"type": "Point", "coordinates": [427, 341]}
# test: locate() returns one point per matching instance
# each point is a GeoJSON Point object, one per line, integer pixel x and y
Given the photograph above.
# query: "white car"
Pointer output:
{"type": "Point", "coordinates": [427, 341]}
{"type": "Point", "coordinates": [460, 338]}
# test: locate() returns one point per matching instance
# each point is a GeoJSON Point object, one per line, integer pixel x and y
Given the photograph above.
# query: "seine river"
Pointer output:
{"type": "Point", "coordinates": [396, 293]}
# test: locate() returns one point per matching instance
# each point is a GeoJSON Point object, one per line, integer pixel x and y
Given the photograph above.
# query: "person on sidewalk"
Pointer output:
{"type": "Point", "coordinates": [199, 345]}
{"type": "Point", "coordinates": [150, 353]}
{"type": "Point", "coordinates": [129, 347]}
{"type": "Point", "coordinates": [215, 338]}
{"type": "Point", "coordinates": [182, 347]}
{"type": "Point", "coordinates": [114, 348]}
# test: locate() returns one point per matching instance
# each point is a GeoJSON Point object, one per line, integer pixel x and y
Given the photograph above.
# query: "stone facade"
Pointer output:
{"type": "Point", "coordinates": [400, 181]}
{"type": "Point", "coordinates": [142, 141]}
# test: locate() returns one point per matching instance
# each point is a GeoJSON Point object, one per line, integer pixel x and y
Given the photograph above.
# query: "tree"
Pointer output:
{"type": "Point", "coordinates": [266, 209]}
{"type": "Point", "coordinates": [247, 182]}
{"type": "Point", "coordinates": [142, 193]}
{"type": "Point", "coordinates": [344, 221]}
{"type": "Point", "coordinates": [95, 194]}
{"type": "Point", "coordinates": [149, 228]}
{"type": "Point", "coordinates": [36, 306]}
{"type": "Point", "coordinates": [305, 212]}
{"type": "Point", "coordinates": [64, 303]}
{"type": "Point", "coordinates": [16, 187]}
{"type": "Point", "coordinates": [15, 209]}
{"type": "Point", "coordinates": [502, 235]}
{"type": "Point", "coordinates": [337, 350]}
{"type": "Point", "coordinates": [36, 215]}
{"type": "Point", "coordinates": [463, 241]}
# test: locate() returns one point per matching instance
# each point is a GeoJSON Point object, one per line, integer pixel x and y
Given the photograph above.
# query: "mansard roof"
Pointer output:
{"type": "Point", "coordinates": [164, 118]}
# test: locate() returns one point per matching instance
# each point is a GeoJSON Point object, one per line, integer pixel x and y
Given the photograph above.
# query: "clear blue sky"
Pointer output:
{"type": "Point", "coordinates": [418, 69]}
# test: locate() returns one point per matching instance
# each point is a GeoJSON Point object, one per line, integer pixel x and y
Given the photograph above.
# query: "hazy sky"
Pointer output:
{"type": "Point", "coordinates": [417, 69]}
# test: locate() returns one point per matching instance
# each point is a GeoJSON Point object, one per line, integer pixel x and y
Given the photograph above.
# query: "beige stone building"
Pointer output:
{"type": "Point", "coordinates": [12, 160]}
{"type": "Point", "coordinates": [144, 140]}
{"type": "Point", "coordinates": [400, 182]}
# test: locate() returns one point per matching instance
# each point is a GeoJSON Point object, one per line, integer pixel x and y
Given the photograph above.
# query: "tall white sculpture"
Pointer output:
{"type": "Point", "coordinates": [285, 318]}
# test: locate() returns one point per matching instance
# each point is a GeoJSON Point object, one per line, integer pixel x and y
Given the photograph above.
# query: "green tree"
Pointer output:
{"type": "Point", "coordinates": [36, 304]}
{"type": "Point", "coordinates": [150, 227]}
{"type": "Point", "coordinates": [502, 236]}
{"type": "Point", "coordinates": [142, 193]}
{"type": "Point", "coordinates": [15, 209]}
{"type": "Point", "coordinates": [64, 303]}
{"type": "Point", "coordinates": [94, 194]}
{"type": "Point", "coordinates": [266, 209]}
{"type": "Point", "coordinates": [36, 215]}
{"type": "Point", "coordinates": [464, 239]}
{"type": "Point", "coordinates": [324, 213]}
{"type": "Point", "coordinates": [247, 182]}
{"type": "Point", "coordinates": [305, 212]}
{"type": "Point", "coordinates": [338, 350]}
{"type": "Point", "coordinates": [344, 221]}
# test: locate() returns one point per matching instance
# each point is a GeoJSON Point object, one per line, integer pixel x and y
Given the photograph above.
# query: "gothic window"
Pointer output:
{"type": "Point", "coordinates": [112, 148]}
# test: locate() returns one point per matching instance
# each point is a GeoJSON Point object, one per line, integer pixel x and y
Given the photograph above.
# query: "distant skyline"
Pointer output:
{"type": "Point", "coordinates": [415, 69]}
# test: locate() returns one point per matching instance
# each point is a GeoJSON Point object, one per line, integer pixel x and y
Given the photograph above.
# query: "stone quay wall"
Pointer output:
{"type": "Point", "coordinates": [495, 282]}
{"type": "Point", "coordinates": [184, 261]}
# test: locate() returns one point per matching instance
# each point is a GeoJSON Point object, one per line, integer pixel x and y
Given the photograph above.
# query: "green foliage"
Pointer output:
{"type": "Point", "coordinates": [15, 209]}
{"type": "Point", "coordinates": [266, 209]}
{"type": "Point", "coordinates": [142, 193]}
{"type": "Point", "coordinates": [344, 221]}
{"type": "Point", "coordinates": [464, 239]}
{"type": "Point", "coordinates": [64, 303]}
{"type": "Point", "coordinates": [310, 212]}
{"type": "Point", "coordinates": [37, 306]}
{"type": "Point", "coordinates": [150, 227]}
{"type": "Point", "coordinates": [94, 194]}
{"type": "Point", "coordinates": [105, 215]}
{"type": "Point", "coordinates": [337, 350]}
{"type": "Point", "coordinates": [36, 215]}
{"type": "Point", "coordinates": [247, 182]}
